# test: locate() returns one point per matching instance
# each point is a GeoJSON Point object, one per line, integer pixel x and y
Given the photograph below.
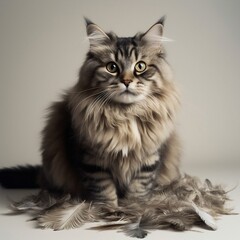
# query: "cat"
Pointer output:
{"type": "Point", "coordinates": [113, 134]}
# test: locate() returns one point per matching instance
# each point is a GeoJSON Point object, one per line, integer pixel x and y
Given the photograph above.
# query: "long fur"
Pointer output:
{"type": "Point", "coordinates": [98, 144]}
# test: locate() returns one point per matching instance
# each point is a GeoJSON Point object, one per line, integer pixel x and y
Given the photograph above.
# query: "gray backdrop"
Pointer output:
{"type": "Point", "coordinates": [43, 43]}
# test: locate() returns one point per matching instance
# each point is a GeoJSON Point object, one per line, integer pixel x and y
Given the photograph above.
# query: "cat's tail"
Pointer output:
{"type": "Point", "coordinates": [20, 177]}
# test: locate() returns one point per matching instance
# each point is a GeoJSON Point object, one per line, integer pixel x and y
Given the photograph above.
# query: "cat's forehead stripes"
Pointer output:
{"type": "Point", "coordinates": [126, 49]}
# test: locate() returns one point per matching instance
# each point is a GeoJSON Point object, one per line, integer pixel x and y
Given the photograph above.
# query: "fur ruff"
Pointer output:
{"type": "Point", "coordinates": [179, 205]}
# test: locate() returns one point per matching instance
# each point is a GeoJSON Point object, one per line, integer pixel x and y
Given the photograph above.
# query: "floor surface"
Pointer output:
{"type": "Point", "coordinates": [18, 227]}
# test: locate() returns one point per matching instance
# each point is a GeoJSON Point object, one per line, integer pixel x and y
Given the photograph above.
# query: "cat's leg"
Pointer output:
{"type": "Point", "coordinates": [100, 186]}
{"type": "Point", "coordinates": [142, 184]}
{"type": "Point", "coordinates": [170, 154]}
{"type": "Point", "coordinates": [160, 168]}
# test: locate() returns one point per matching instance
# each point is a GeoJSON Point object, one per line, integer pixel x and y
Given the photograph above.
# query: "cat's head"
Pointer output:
{"type": "Point", "coordinates": [125, 70]}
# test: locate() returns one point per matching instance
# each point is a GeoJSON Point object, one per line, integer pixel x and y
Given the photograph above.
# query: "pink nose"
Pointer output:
{"type": "Point", "coordinates": [126, 82]}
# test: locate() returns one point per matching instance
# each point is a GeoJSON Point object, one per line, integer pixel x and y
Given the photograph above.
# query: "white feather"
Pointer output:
{"type": "Point", "coordinates": [206, 217]}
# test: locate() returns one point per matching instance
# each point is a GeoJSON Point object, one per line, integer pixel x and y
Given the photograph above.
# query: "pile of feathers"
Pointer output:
{"type": "Point", "coordinates": [180, 205]}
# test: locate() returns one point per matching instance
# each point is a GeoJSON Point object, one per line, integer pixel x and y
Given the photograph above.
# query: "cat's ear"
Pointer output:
{"type": "Point", "coordinates": [154, 34]}
{"type": "Point", "coordinates": [95, 34]}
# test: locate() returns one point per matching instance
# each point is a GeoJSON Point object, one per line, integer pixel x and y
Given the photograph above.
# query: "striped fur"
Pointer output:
{"type": "Point", "coordinates": [113, 134]}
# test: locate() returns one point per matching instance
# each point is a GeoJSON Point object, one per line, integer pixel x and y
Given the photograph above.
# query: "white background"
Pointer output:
{"type": "Point", "coordinates": [43, 43]}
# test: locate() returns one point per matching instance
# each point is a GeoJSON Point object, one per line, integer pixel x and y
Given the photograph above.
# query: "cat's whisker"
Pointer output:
{"type": "Point", "coordinates": [86, 90]}
{"type": "Point", "coordinates": [84, 99]}
{"type": "Point", "coordinates": [95, 94]}
{"type": "Point", "coordinates": [101, 103]}
{"type": "Point", "coordinates": [104, 101]}
{"type": "Point", "coordinates": [98, 101]}
{"type": "Point", "coordinates": [162, 106]}
{"type": "Point", "coordinates": [79, 93]}
{"type": "Point", "coordinates": [166, 39]}
{"type": "Point", "coordinates": [174, 98]}
{"type": "Point", "coordinates": [149, 96]}
{"type": "Point", "coordinates": [172, 94]}
{"type": "Point", "coordinates": [94, 103]}
{"type": "Point", "coordinates": [108, 98]}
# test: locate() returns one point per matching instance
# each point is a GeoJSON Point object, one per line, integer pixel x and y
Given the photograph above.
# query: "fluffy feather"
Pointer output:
{"type": "Point", "coordinates": [179, 205]}
{"type": "Point", "coordinates": [66, 216]}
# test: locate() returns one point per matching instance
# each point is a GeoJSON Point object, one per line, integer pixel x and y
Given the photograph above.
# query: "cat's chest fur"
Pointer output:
{"type": "Point", "coordinates": [135, 133]}
{"type": "Point", "coordinates": [123, 140]}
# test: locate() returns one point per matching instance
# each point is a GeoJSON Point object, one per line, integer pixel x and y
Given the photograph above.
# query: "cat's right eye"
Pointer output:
{"type": "Point", "coordinates": [112, 67]}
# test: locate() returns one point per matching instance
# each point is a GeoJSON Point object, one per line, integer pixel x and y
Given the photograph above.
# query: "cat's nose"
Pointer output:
{"type": "Point", "coordinates": [126, 82]}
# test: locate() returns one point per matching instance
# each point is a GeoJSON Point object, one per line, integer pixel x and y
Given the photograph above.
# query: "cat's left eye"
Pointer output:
{"type": "Point", "coordinates": [140, 66]}
{"type": "Point", "coordinates": [112, 67]}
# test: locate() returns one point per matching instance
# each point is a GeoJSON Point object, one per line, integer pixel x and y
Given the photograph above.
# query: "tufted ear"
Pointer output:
{"type": "Point", "coordinates": [95, 34]}
{"type": "Point", "coordinates": [154, 35]}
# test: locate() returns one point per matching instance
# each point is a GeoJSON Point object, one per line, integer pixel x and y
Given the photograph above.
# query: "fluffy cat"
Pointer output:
{"type": "Point", "coordinates": [113, 134]}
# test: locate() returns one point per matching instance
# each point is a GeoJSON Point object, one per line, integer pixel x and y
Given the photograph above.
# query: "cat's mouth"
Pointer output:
{"type": "Point", "coordinates": [128, 92]}
{"type": "Point", "coordinates": [128, 96]}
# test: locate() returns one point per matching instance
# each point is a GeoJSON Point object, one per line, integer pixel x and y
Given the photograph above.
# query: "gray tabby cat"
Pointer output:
{"type": "Point", "coordinates": [113, 135]}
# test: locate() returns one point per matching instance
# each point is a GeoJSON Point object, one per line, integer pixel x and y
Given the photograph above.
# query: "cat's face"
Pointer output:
{"type": "Point", "coordinates": [126, 70]}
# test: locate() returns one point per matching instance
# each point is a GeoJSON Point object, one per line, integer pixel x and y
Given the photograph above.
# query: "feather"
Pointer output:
{"type": "Point", "coordinates": [207, 218]}
{"type": "Point", "coordinates": [67, 216]}
{"type": "Point", "coordinates": [35, 203]}
{"type": "Point", "coordinates": [135, 230]}
{"type": "Point", "coordinates": [179, 205]}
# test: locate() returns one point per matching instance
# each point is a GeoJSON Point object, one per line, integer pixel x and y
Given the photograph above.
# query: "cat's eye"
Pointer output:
{"type": "Point", "coordinates": [112, 67]}
{"type": "Point", "coordinates": [140, 66]}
